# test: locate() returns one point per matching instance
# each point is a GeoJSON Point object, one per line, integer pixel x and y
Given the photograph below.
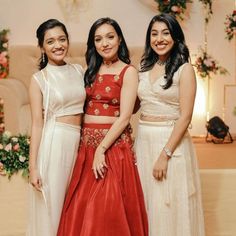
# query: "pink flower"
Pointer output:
{"type": "Point", "coordinates": [1, 166]}
{"type": "Point", "coordinates": [8, 147]}
{"type": "Point", "coordinates": [16, 147]}
{"type": "Point", "coordinates": [166, 2]}
{"type": "Point", "coordinates": [176, 9]}
{"type": "Point", "coordinates": [208, 62]}
{"type": "Point", "coordinates": [3, 59]}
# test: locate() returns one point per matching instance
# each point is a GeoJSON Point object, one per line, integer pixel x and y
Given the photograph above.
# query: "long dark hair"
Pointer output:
{"type": "Point", "coordinates": [179, 53]}
{"type": "Point", "coordinates": [40, 33]}
{"type": "Point", "coordinates": [93, 59]}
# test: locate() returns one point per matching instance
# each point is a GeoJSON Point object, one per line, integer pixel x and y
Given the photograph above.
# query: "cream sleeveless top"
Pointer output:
{"type": "Point", "coordinates": [66, 89]}
{"type": "Point", "coordinates": [159, 102]}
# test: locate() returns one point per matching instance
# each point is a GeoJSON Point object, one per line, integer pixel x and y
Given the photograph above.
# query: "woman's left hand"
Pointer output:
{"type": "Point", "coordinates": [99, 163]}
{"type": "Point", "coordinates": [160, 167]}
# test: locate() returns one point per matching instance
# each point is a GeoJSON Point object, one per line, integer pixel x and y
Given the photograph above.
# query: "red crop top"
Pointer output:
{"type": "Point", "coordinates": [103, 96]}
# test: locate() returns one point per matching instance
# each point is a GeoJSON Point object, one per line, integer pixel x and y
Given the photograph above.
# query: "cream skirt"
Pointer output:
{"type": "Point", "coordinates": [63, 152]}
{"type": "Point", "coordinates": [174, 205]}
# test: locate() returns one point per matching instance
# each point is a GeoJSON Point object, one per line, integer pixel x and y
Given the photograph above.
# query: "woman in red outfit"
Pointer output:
{"type": "Point", "coordinates": [105, 196]}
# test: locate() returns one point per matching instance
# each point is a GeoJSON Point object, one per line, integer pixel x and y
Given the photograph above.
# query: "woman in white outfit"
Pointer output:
{"type": "Point", "coordinates": [165, 153]}
{"type": "Point", "coordinates": [57, 97]}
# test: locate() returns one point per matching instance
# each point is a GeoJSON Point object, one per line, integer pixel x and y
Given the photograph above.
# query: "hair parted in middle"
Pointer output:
{"type": "Point", "coordinates": [179, 53]}
{"type": "Point", "coordinates": [93, 59]}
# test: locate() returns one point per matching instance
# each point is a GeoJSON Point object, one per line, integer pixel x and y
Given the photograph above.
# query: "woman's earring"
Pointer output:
{"type": "Point", "coordinates": [43, 57]}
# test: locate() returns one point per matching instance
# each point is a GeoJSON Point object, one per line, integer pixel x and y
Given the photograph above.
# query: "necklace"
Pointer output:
{"type": "Point", "coordinates": [110, 62]}
{"type": "Point", "coordinates": [161, 63]}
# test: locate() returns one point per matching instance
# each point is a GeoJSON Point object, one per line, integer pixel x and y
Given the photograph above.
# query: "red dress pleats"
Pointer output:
{"type": "Point", "coordinates": [112, 206]}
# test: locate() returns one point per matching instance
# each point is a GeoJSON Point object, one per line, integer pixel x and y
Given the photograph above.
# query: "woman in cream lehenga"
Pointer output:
{"type": "Point", "coordinates": [57, 97]}
{"type": "Point", "coordinates": [165, 154]}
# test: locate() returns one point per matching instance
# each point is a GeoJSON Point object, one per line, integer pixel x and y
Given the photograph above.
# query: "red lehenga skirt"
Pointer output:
{"type": "Point", "coordinates": [112, 206]}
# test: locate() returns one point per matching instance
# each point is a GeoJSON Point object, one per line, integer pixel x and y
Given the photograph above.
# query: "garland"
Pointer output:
{"type": "Point", "coordinates": [208, 7]}
{"type": "Point", "coordinates": [4, 58]}
{"type": "Point", "coordinates": [207, 66]}
{"type": "Point", "coordinates": [230, 25]}
{"type": "Point", "coordinates": [174, 7]}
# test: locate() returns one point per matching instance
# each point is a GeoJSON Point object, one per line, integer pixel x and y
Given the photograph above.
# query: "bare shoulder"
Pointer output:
{"type": "Point", "coordinates": [187, 72]}
{"type": "Point", "coordinates": [187, 69]}
{"type": "Point", "coordinates": [131, 72]}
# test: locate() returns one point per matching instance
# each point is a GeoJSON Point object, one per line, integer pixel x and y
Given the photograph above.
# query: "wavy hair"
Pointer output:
{"type": "Point", "coordinates": [179, 53]}
{"type": "Point", "coordinates": [40, 33]}
{"type": "Point", "coordinates": [93, 59]}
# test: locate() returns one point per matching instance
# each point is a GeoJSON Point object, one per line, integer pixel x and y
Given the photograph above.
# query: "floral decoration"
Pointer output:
{"type": "Point", "coordinates": [14, 154]}
{"type": "Point", "coordinates": [174, 7]}
{"type": "Point", "coordinates": [208, 6]}
{"type": "Point", "coordinates": [1, 116]}
{"type": "Point", "coordinates": [4, 58]}
{"type": "Point", "coordinates": [206, 65]}
{"type": "Point", "coordinates": [230, 25]}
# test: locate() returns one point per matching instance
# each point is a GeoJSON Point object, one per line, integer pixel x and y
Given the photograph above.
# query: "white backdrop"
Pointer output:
{"type": "Point", "coordinates": [22, 17]}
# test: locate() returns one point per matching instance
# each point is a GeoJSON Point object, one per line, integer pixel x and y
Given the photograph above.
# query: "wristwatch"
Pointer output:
{"type": "Point", "coordinates": [167, 151]}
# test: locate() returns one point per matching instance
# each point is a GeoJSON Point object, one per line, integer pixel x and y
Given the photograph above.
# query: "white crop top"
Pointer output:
{"type": "Point", "coordinates": [66, 93]}
{"type": "Point", "coordinates": [159, 102]}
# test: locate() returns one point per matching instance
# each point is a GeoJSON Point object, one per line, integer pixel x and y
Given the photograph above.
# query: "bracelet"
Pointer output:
{"type": "Point", "coordinates": [167, 151]}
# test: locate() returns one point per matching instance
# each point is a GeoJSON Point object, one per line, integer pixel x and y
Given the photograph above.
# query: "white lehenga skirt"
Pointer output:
{"type": "Point", "coordinates": [174, 205]}
{"type": "Point", "coordinates": [63, 152]}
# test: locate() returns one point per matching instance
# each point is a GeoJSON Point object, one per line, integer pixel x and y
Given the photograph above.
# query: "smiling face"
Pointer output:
{"type": "Point", "coordinates": [55, 45]}
{"type": "Point", "coordinates": [106, 42]}
{"type": "Point", "coordinates": [160, 40]}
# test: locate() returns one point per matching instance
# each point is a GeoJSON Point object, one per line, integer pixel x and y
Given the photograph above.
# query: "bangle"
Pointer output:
{"type": "Point", "coordinates": [167, 151]}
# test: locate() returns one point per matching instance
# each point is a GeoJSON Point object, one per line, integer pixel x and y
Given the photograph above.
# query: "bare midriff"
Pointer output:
{"type": "Point", "coordinates": [99, 119]}
{"type": "Point", "coordinates": [71, 119]}
{"type": "Point", "coordinates": [155, 118]}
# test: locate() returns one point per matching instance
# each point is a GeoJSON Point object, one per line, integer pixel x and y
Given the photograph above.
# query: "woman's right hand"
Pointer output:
{"type": "Point", "coordinates": [160, 167]}
{"type": "Point", "coordinates": [99, 163]}
{"type": "Point", "coordinates": [35, 180]}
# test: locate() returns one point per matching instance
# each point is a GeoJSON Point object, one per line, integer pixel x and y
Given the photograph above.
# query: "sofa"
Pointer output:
{"type": "Point", "coordinates": [14, 89]}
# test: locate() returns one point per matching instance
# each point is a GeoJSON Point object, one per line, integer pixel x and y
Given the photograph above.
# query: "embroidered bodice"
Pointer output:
{"type": "Point", "coordinates": [159, 102]}
{"type": "Point", "coordinates": [103, 96]}
{"type": "Point", "coordinates": [63, 87]}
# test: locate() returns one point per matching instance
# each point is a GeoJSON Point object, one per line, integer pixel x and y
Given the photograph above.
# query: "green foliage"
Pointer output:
{"type": "Point", "coordinates": [207, 66]}
{"type": "Point", "coordinates": [174, 7]}
{"type": "Point", "coordinates": [230, 25]}
{"type": "Point", "coordinates": [14, 154]}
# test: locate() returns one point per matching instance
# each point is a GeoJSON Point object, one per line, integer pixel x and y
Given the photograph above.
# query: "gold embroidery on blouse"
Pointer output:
{"type": "Point", "coordinates": [105, 106]}
{"type": "Point", "coordinates": [98, 96]}
{"type": "Point", "coordinates": [100, 79]}
{"type": "Point", "coordinates": [107, 89]}
{"type": "Point", "coordinates": [114, 100]}
{"type": "Point", "coordinates": [96, 111]}
{"type": "Point", "coordinates": [90, 103]}
{"type": "Point", "coordinates": [116, 77]}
